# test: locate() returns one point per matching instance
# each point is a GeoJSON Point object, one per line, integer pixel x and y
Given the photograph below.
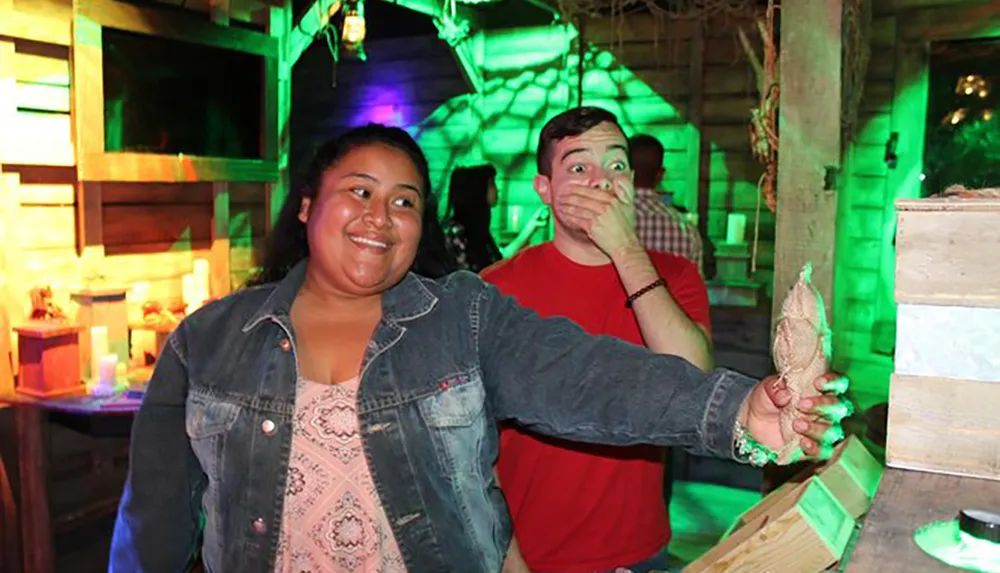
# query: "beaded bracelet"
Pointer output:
{"type": "Point", "coordinates": [632, 298]}
{"type": "Point", "coordinates": [756, 453]}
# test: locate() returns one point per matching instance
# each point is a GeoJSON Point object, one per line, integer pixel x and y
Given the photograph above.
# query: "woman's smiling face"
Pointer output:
{"type": "Point", "coordinates": [364, 224]}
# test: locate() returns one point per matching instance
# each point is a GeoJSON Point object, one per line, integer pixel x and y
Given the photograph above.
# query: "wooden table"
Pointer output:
{"type": "Point", "coordinates": [906, 500]}
{"type": "Point", "coordinates": [31, 415]}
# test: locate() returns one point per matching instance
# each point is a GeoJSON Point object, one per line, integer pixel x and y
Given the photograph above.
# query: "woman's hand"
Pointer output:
{"type": "Point", "coordinates": [818, 422]}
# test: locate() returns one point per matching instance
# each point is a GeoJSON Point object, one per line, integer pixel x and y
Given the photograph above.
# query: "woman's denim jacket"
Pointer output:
{"type": "Point", "coordinates": [449, 359]}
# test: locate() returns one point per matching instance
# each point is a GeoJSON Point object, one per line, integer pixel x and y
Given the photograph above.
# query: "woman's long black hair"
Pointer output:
{"type": "Point", "coordinates": [287, 243]}
{"type": "Point", "coordinates": [469, 207]}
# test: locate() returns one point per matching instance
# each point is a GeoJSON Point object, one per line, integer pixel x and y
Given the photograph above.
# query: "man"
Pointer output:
{"type": "Point", "coordinates": [575, 507]}
{"type": "Point", "coordinates": [659, 226]}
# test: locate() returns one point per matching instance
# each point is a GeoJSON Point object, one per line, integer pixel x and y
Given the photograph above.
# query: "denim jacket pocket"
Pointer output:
{"type": "Point", "coordinates": [459, 403]}
{"type": "Point", "coordinates": [208, 420]}
{"type": "Point", "coordinates": [207, 417]}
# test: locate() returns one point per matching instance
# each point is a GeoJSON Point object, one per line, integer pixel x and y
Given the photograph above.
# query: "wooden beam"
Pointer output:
{"type": "Point", "coordinates": [220, 277]}
{"type": "Point", "coordinates": [809, 147]}
{"type": "Point", "coordinates": [966, 21]}
{"type": "Point", "coordinates": [175, 25]}
{"type": "Point", "coordinates": [16, 24]}
{"type": "Point", "coordinates": [220, 12]}
{"type": "Point", "coordinates": [150, 168]}
{"type": "Point", "coordinates": [89, 228]}
{"type": "Point", "coordinates": [695, 100]}
{"type": "Point", "coordinates": [306, 29]}
{"type": "Point", "coordinates": [277, 112]}
{"type": "Point", "coordinates": [468, 51]}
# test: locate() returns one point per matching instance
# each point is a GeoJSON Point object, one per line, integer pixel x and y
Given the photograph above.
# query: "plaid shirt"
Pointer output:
{"type": "Point", "coordinates": [664, 229]}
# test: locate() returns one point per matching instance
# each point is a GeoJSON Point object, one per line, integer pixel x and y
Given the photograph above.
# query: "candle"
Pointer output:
{"type": "Point", "coordinates": [98, 349]}
{"type": "Point", "coordinates": [736, 227]}
{"type": "Point", "coordinates": [514, 217]}
{"type": "Point", "coordinates": [188, 292]}
{"type": "Point", "coordinates": [201, 280]}
{"type": "Point", "coordinates": [104, 385]}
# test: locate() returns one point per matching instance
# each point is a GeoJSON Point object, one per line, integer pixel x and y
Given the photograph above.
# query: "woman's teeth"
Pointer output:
{"type": "Point", "coordinates": [370, 242]}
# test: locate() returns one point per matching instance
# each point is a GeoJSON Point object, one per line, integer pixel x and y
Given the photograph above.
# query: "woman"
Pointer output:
{"type": "Point", "coordinates": [471, 197]}
{"type": "Point", "coordinates": [341, 416]}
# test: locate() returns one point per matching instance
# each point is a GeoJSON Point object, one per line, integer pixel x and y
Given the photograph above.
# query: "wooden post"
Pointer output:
{"type": "Point", "coordinates": [809, 145]}
{"type": "Point", "coordinates": [221, 281]}
{"type": "Point", "coordinates": [9, 204]}
{"type": "Point", "coordinates": [277, 111]}
{"type": "Point", "coordinates": [693, 186]}
{"type": "Point", "coordinates": [809, 157]}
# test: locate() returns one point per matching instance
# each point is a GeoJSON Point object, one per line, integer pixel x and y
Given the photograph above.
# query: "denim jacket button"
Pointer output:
{"type": "Point", "coordinates": [259, 526]}
{"type": "Point", "coordinates": [285, 344]}
{"type": "Point", "coordinates": [267, 426]}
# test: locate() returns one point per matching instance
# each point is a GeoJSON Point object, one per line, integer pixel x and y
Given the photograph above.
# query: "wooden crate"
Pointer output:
{"type": "Point", "coordinates": [851, 474]}
{"type": "Point", "coordinates": [803, 530]}
{"type": "Point", "coordinates": [944, 425]}
{"type": "Point", "coordinates": [49, 361]}
{"type": "Point", "coordinates": [945, 252]}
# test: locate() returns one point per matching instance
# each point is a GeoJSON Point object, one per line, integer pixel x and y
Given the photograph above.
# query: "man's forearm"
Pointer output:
{"type": "Point", "coordinates": [665, 327]}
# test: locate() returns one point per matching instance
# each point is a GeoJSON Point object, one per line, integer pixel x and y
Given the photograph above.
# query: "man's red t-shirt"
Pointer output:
{"type": "Point", "coordinates": [580, 507]}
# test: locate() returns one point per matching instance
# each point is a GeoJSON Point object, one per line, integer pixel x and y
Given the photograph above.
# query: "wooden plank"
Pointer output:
{"type": "Point", "coordinates": [158, 193]}
{"type": "Point", "coordinates": [176, 25]}
{"type": "Point", "coordinates": [944, 425]}
{"type": "Point", "coordinates": [47, 226]}
{"type": "Point", "coordinates": [810, 142]}
{"type": "Point", "coordinates": [41, 69]}
{"type": "Point", "coordinates": [40, 97]}
{"type": "Point", "coordinates": [220, 257]}
{"type": "Point", "coordinates": [277, 114]}
{"type": "Point", "coordinates": [86, 65]}
{"type": "Point", "coordinates": [728, 109]}
{"type": "Point", "coordinates": [141, 167]}
{"type": "Point", "coordinates": [136, 224]}
{"type": "Point", "coordinates": [37, 139]}
{"type": "Point", "coordinates": [939, 259]}
{"type": "Point", "coordinates": [89, 227]}
{"type": "Point", "coordinates": [905, 501]}
{"type": "Point", "coordinates": [805, 530]}
{"type": "Point", "coordinates": [697, 81]}
{"type": "Point", "coordinates": [21, 25]}
{"type": "Point", "coordinates": [965, 22]}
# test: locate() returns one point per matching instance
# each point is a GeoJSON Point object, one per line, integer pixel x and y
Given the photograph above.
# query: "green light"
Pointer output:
{"type": "Point", "coordinates": [944, 541]}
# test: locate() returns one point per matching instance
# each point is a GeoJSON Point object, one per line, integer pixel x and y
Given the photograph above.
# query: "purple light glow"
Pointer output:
{"type": "Point", "coordinates": [381, 104]}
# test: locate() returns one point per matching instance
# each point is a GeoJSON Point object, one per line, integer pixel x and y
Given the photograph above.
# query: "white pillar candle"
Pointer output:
{"type": "Point", "coordinates": [98, 349]}
{"type": "Point", "coordinates": [736, 228]}
{"type": "Point", "coordinates": [103, 385]}
{"type": "Point", "coordinates": [514, 213]}
{"type": "Point", "coordinates": [188, 292]}
{"type": "Point", "coordinates": [202, 280]}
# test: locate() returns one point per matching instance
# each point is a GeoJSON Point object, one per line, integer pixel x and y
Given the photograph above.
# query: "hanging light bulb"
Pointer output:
{"type": "Point", "coordinates": [972, 84]}
{"type": "Point", "coordinates": [354, 23]}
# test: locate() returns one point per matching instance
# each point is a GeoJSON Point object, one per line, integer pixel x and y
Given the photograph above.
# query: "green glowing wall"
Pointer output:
{"type": "Point", "coordinates": [530, 74]}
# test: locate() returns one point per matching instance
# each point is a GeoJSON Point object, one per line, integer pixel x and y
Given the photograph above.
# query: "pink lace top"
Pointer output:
{"type": "Point", "coordinates": [333, 521]}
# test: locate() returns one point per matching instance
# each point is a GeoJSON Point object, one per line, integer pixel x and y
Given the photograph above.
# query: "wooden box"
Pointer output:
{"type": "Point", "coordinates": [851, 474]}
{"type": "Point", "coordinates": [946, 252]}
{"type": "Point", "coordinates": [48, 360]}
{"type": "Point", "coordinates": [805, 529]}
{"type": "Point", "coordinates": [944, 425]}
{"type": "Point", "coordinates": [102, 307]}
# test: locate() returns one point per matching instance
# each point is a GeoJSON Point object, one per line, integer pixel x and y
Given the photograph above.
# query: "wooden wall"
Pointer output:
{"type": "Point", "coordinates": [151, 232]}
{"type": "Point", "coordinates": [865, 309]}
{"type": "Point", "coordinates": [685, 82]}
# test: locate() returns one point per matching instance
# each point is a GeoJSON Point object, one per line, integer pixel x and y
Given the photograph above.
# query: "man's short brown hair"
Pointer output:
{"type": "Point", "coordinates": [569, 123]}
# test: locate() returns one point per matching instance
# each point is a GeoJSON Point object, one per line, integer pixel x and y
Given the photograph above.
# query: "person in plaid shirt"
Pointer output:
{"type": "Point", "coordinates": [660, 227]}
